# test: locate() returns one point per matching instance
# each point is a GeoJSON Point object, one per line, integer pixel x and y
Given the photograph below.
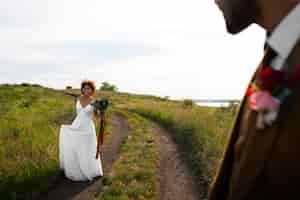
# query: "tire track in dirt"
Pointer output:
{"type": "Point", "coordinates": [65, 189]}
{"type": "Point", "coordinates": [175, 181]}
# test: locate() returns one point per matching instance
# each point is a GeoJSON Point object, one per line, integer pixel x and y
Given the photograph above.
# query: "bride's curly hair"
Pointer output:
{"type": "Point", "coordinates": [91, 84]}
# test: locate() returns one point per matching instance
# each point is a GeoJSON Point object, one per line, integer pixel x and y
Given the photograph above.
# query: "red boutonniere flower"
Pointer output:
{"type": "Point", "coordinates": [260, 95]}
{"type": "Point", "coordinates": [268, 91]}
{"type": "Point", "coordinates": [250, 90]}
{"type": "Point", "coordinates": [270, 78]}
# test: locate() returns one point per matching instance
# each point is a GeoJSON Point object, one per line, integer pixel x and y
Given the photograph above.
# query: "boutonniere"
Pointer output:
{"type": "Point", "coordinates": [266, 94]}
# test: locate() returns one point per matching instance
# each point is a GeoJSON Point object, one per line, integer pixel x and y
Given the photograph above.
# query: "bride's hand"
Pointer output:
{"type": "Point", "coordinates": [97, 114]}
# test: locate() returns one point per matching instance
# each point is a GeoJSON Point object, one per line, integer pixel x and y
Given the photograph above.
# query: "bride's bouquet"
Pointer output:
{"type": "Point", "coordinates": [100, 106]}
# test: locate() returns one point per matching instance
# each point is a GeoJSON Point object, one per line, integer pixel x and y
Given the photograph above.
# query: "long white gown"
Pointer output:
{"type": "Point", "coordinates": [77, 146]}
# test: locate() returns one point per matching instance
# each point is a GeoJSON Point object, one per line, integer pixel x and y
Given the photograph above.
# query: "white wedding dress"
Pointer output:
{"type": "Point", "coordinates": [77, 146]}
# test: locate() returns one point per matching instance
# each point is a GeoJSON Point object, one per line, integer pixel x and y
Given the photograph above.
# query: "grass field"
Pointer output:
{"type": "Point", "coordinates": [30, 117]}
{"type": "Point", "coordinates": [29, 124]}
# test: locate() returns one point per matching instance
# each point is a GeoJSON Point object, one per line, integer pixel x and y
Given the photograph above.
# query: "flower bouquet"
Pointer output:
{"type": "Point", "coordinates": [100, 106]}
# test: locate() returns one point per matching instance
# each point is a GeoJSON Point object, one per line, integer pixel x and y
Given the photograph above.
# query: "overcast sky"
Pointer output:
{"type": "Point", "coordinates": [176, 48]}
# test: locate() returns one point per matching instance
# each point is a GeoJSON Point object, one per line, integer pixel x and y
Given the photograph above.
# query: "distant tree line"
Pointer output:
{"type": "Point", "coordinates": [30, 85]}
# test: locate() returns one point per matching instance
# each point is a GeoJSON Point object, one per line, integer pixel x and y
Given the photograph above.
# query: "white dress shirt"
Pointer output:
{"type": "Point", "coordinates": [284, 37]}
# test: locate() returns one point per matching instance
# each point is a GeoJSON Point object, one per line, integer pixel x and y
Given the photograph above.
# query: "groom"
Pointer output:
{"type": "Point", "coordinates": [262, 158]}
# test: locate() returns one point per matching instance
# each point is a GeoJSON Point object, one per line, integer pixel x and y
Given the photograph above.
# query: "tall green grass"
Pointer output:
{"type": "Point", "coordinates": [30, 118]}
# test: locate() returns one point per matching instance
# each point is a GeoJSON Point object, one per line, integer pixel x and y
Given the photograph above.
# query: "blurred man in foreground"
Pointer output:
{"type": "Point", "coordinates": [262, 158]}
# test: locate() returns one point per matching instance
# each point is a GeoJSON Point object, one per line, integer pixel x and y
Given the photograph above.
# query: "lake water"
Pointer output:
{"type": "Point", "coordinates": [213, 104]}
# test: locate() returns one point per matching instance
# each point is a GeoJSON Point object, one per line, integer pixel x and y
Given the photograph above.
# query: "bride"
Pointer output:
{"type": "Point", "coordinates": [77, 142]}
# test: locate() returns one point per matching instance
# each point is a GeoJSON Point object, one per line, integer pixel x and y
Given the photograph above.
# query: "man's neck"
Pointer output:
{"type": "Point", "coordinates": [273, 13]}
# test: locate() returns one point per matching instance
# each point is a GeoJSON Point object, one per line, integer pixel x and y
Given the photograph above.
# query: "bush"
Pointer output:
{"type": "Point", "coordinates": [108, 87]}
{"type": "Point", "coordinates": [25, 84]}
{"type": "Point", "coordinates": [69, 87]}
{"type": "Point", "coordinates": [36, 85]}
{"type": "Point", "coordinates": [188, 103]}
{"type": "Point", "coordinates": [166, 98]}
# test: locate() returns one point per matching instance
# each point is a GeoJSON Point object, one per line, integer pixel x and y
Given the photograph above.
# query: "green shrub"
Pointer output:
{"type": "Point", "coordinates": [188, 103]}
{"type": "Point", "coordinates": [108, 87]}
{"type": "Point", "coordinates": [25, 84]}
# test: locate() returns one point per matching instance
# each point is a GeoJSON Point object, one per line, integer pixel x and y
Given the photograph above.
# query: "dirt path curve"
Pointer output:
{"type": "Point", "coordinates": [175, 181]}
{"type": "Point", "coordinates": [64, 189]}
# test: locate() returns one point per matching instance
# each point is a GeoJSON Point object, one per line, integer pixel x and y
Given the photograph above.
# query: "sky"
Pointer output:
{"type": "Point", "coordinates": [175, 48]}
